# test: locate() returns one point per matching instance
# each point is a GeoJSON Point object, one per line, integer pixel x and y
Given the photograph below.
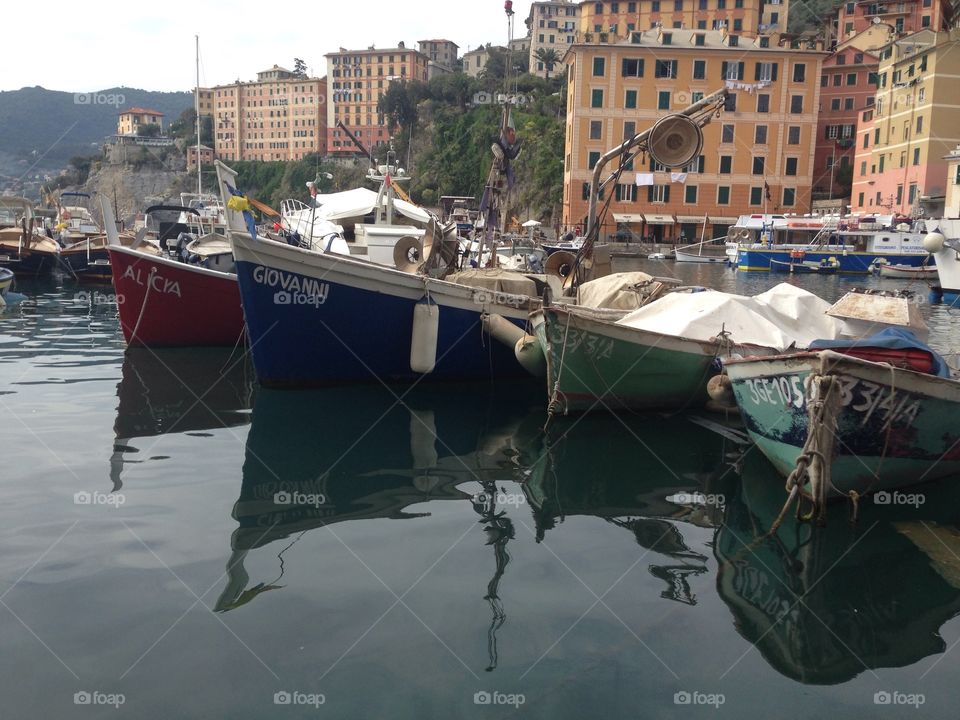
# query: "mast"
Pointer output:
{"type": "Point", "coordinates": [196, 104]}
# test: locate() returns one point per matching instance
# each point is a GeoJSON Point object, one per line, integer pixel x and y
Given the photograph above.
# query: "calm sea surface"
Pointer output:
{"type": "Point", "coordinates": [177, 543]}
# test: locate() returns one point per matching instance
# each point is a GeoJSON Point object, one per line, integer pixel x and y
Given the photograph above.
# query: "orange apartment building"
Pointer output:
{"type": "Point", "coordinates": [855, 17]}
{"type": "Point", "coordinates": [914, 124]}
{"type": "Point", "coordinates": [762, 144]}
{"type": "Point", "coordinates": [847, 88]}
{"type": "Point", "coordinates": [357, 79]}
{"type": "Point", "coordinates": [280, 116]}
{"type": "Point", "coordinates": [612, 20]}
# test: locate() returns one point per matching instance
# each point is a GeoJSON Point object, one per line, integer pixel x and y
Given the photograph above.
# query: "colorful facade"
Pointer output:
{"type": "Point", "coordinates": [610, 20]}
{"type": "Point", "coordinates": [280, 116]}
{"type": "Point", "coordinates": [915, 123]}
{"type": "Point", "coordinates": [131, 120]}
{"type": "Point", "coordinates": [847, 88]}
{"type": "Point", "coordinates": [552, 25]}
{"type": "Point", "coordinates": [357, 80]}
{"type": "Point", "coordinates": [758, 156]}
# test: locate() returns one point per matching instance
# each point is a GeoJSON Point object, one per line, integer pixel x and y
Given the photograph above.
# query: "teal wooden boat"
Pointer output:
{"type": "Point", "coordinates": [894, 427]}
{"type": "Point", "coordinates": [594, 363]}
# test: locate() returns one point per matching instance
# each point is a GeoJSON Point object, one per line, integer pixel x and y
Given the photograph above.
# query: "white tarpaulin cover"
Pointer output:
{"type": "Point", "coordinates": [359, 202]}
{"type": "Point", "coordinates": [783, 317]}
{"type": "Point", "coordinates": [615, 291]}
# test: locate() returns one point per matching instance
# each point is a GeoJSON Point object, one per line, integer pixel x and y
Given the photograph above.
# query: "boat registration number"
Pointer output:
{"type": "Point", "coordinates": [860, 396]}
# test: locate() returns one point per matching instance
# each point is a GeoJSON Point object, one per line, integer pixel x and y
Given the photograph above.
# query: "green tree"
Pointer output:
{"type": "Point", "coordinates": [549, 57]}
{"type": "Point", "coordinates": [148, 130]}
{"type": "Point", "coordinates": [399, 106]}
{"type": "Point", "coordinates": [299, 68]}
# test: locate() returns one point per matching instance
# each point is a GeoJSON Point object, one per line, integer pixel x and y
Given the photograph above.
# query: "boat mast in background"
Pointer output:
{"type": "Point", "coordinates": [196, 107]}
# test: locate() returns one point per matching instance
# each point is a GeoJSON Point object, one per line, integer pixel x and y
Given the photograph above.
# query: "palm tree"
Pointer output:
{"type": "Point", "coordinates": [549, 57]}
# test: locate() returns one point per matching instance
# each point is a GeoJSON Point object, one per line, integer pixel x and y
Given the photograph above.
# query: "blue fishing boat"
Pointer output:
{"type": "Point", "coordinates": [797, 265]}
{"type": "Point", "coordinates": [855, 243]}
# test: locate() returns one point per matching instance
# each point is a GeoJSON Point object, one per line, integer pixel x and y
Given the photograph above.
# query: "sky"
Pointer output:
{"type": "Point", "coordinates": [83, 47]}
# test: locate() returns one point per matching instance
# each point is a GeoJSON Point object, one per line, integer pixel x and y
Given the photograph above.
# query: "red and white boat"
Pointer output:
{"type": "Point", "coordinates": [166, 303]}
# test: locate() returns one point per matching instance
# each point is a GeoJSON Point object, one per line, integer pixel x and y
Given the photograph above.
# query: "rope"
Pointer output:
{"type": "Point", "coordinates": [554, 403]}
{"type": "Point", "coordinates": [143, 307]}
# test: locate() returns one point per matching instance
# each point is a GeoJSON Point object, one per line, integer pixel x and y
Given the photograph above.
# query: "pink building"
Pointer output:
{"type": "Point", "coordinates": [847, 88]}
{"type": "Point", "coordinates": [903, 16]}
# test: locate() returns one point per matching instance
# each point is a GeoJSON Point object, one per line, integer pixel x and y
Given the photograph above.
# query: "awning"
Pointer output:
{"type": "Point", "coordinates": [690, 218]}
{"type": "Point", "coordinates": [723, 220]}
{"type": "Point", "coordinates": [659, 219]}
{"type": "Point", "coordinates": [628, 217]}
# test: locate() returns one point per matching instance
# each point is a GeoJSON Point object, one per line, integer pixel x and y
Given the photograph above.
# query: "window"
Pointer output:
{"type": "Point", "coordinates": [756, 196]}
{"type": "Point", "coordinates": [699, 41]}
{"type": "Point", "coordinates": [723, 195]}
{"type": "Point", "coordinates": [760, 135]}
{"type": "Point", "coordinates": [690, 194]}
{"type": "Point", "coordinates": [758, 163]}
{"type": "Point", "coordinates": [625, 192]}
{"type": "Point", "coordinates": [919, 125]}
{"type": "Point", "coordinates": [593, 158]}
{"type": "Point", "coordinates": [632, 67]}
{"type": "Point", "coordinates": [763, 103]}
{"type": "Point", "coordinates": [599, 66]}
{"type": "Point", "coordinates": [790, 167]}
{"type": "Point", "coordinates": [848, 103]}
{"type": "Point", "coordinates": [863, 171]}
{"type": "Point", "coordinates": [737, 25]}
{"type": "Point", "coordinates": [629, 129]}
{"type": "Point", "coordinates": [667, 38]}
{"type": "Point", "coordinates": [851, 79]}
{"type": "Point", "coordinates": [726, 163]}
{"type": "Point", "coordinates": [696, 166]}
{"type": "Point", "coordinates": [903, 159]}
{"type": "Point", "coordinates": [765, 71]}
{"type": "Point", "coordinates": [860, 199]}
{"type": "Point", "coordinates": [585, 191]}
{"type": "Point", "coordinates": [841, 59]}
{"type": "Point", "coordinates": [721, 4]}
{"type": "Point", "coordinates": [925, 21]}
{"type": "Point", "coordinates": [655, 6]}
{"type": "Point", "coordinates": [726, 134]}
{"type": "Point", "coordinates": [858, 58]}
{"type": "Point", "coordinates": [630, 101]}
{"type": "Point", "coordinates": [730, 104]}
{"type": "Point", "coordinates": [866, 140]}
{"type": "Point", "coordinates": [916, 156]}
{"type": "Point", "coordinates": [789, 197]}
{"type": "Point", "coordinates": [835, 104]}
{"type": "Point", "coordinates": [699, 68]}
{"type": "Point", "coordinates": [596, 98]}
{"type": "Point", "coordinates": [666, 69]}
{"type": "Point", "coordinates": [882, 162]}
{"type": "Point", "coordinates": [701, 24]}
{"type": "Point", "coordinates": [596, 129]}
{"type": "Point", "coordinates": [663, 100]}
{"type": "Point", "coordinates": [912, 195]}
{"type": "Point", "coordinates": [837, 80]}
{"type": "Point", "coordinates": [696, 96]}
{"type": "Point", "coordinates": [796, 104]}
{"type": "Point", "coordinates": [799, 72]}
{"type": "Point", "coordinates": [658, 193]}
{"type": "Point", "coordinates": [733, 70]}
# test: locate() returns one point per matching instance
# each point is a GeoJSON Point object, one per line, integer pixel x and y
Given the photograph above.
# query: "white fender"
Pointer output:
{"type": "Point", "coordinates": [423, 339]}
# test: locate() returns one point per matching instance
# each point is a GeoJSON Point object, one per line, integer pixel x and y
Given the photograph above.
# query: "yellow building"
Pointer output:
{"type": "Point", "coordinates": [131, 120]}
{"type": "Point", "coordinates": [357, 80]}
{"type": "Point", "coordinates": [916, 121]}
{"type": "Point", "coordinates": [952, 201]}
{"type": "Point", "coordinates": [763, 143]}
{"type": "Point", "coordinates": [280, 116]}
{"type": "Point", "coordinates": [552, 25]}
{"type": "Point", "coordinates": [611, 20]}
{"type": "Point", "coordinates": [204, 102]}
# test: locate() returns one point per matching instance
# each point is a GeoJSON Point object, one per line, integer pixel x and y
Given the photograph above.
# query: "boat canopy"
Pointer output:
{"type": "Point", "coordinates": [361, 201]}
{"type": "Point", "coordinates": [783, 317]}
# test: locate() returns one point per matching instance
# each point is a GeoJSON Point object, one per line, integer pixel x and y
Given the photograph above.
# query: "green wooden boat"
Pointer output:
{"type": "Point", "coordinates": [894, 427]}
{"type": "Point", "coordinates": [594, 363]}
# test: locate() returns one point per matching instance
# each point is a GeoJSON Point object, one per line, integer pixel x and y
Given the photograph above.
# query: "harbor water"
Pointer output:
{"type": "Point", "coordinates": [178, 542]}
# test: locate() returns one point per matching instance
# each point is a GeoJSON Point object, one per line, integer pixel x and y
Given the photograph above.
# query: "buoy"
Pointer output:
{"type": "Point", "coordinates": [501, 329]}
{"type": "Point", "coordinates": [423, 339]}
{"type": "Point", "coordinates": [934, 242]}
{"type": "Point", "coordinates": [720, 390]}
{"type": "Point", "coordinates": [530, 356]}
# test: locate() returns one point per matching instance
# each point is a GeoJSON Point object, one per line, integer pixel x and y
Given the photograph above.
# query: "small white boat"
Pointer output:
{"type": "Point", "coordinates": [904, 272]}
{"type": "Point", "coordinates": [705, 251]}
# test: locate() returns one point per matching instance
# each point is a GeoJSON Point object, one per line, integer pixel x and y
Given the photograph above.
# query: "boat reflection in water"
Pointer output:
{"type": "Point", "coordinates": [190, 390]}
{"type": "Point", "coordinates": [316, 458]}
{"type": "Point", "coordinates": [824, 604]}
{"type": "Point", "coordinates": [682, 472]}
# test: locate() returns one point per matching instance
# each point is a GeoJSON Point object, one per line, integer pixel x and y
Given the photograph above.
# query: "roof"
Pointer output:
{"type": "Point", "coordinates": [275, 68]}
{"type": "Point", "coordinates": [140, 111]}
{"type": "Point", "coordinates": [440, 40]}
